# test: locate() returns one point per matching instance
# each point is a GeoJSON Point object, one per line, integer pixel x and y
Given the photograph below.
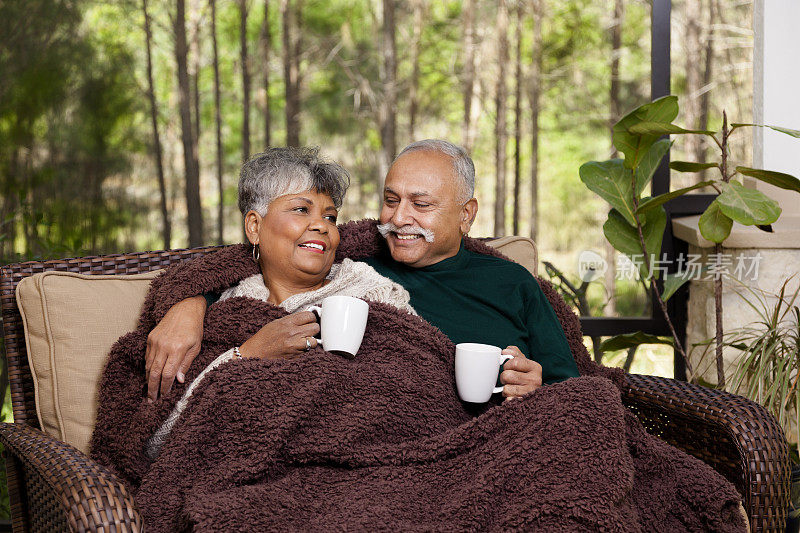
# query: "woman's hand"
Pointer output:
{"type": "Point", "coordinates": [283, 338]}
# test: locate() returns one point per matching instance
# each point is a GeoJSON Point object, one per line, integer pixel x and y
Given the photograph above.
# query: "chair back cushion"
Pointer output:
{"type": "Point", "coordinates": [521, 250]}
{"type": "Point", "coordinates": [70, 322]}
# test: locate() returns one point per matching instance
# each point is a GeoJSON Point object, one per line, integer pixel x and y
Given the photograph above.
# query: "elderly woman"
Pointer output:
{"type": "Point", "coordinates": [290, 201]}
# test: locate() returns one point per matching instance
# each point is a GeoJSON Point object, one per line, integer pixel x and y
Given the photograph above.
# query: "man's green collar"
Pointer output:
{"type": "Point", "coordinates": [456, 262]}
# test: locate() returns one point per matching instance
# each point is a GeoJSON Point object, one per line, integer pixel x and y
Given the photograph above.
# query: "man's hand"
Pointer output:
{"type": "Point", "coordinates": [173, 344]}
{"type": "Point", "coordinates": [283, 338]}
{"type": "Point", "coordinates": [520, 375]}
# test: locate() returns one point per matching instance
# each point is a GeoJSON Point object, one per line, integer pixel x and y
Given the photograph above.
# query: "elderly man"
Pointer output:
{"type": "Point", "coordinates": [428, 206]}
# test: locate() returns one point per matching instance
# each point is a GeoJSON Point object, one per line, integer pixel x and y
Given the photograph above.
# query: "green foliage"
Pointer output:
{"type": "Point", "coordinates": [65, 130]}
{"type": "Point", "coordinates": [635, 225]}
{"type": "Point", "coordinates": [649, 163]}
{"type": "Point", "coordinates": [747, 206]}
{"type": "Point", "coordinates": [779, 179]}
{"type": "Point", "coordinates": [634, 145]}
{"type": "Point", "coordinates": [661, 199]}
{"type": "Point", "coordinates": [766, 370]}
{"type": "Point", "coordinates": [787, 131]}
{"type": "Point", "coordinates": [629, 340]}
{"type": "Point", "coordinates": [635, 135]}
{"type": "Point", "coordinates": [714, 224]}
{"type": "Point", "coordinates": [688, 166]}
{"type": "Point", "coordinates": [625, 237]}
{"type": "Point", "coordinates": [658, 129]}
{"type": "Point", "coordinates": [673, 282]}
{"type": "Point", "coordinates": [611, 180]}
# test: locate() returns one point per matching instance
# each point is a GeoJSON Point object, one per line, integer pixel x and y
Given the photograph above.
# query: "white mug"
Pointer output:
{"type": "Point", "coordinates": [342, 323]}
{"type": "Point", "coordinates": [477, 366]}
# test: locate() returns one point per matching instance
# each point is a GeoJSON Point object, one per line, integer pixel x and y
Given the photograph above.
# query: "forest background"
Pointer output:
{"type": "Point", "coordinates": [123, 123]}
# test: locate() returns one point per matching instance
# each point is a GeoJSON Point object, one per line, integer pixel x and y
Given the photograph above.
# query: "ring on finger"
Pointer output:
{"type": "Point", "coordinates": [308, 344]}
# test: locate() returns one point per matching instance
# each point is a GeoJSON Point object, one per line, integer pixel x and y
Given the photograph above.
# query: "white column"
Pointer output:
{"type": "Point", "coordinates": [776, 94]}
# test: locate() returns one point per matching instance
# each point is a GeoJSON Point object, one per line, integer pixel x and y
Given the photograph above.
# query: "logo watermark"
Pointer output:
{"type": "Point", "coordinates": [591, 265]}
{"type": "Point", "coordinates": [693, 267]}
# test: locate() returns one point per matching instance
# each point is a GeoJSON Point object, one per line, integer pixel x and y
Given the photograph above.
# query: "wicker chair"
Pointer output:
{"type": "Point", "coordinates": [55, 487]}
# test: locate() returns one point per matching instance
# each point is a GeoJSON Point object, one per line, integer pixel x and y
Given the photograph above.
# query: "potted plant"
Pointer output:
{"type": "Point", "coordinates": [769, 366]}
{"type": "Point", "coordinates": [636, 223]}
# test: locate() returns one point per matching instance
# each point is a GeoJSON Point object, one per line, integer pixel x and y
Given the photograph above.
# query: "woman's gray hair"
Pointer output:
{"type": "Point", "coordinates": [280, 171]}
{"type": "Point", "coordinates": [462, 163]}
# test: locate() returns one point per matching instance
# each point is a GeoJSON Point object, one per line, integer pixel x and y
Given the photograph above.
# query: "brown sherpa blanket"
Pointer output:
{"type": "Point", "coordinates": [382, 442]}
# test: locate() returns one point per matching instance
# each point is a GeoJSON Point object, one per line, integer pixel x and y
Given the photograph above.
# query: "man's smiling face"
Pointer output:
{"type": "Point", "coordinates": [421, 204]}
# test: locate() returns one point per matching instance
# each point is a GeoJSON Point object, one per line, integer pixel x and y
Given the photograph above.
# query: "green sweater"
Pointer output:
{"type": "Point", "coordinates": [479, 298]}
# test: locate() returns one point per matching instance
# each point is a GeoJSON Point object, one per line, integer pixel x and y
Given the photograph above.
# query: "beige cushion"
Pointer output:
{"type": "Point", "coordinates": [71, 321]}
{"type": "Point", "coordinates": [521, 250]}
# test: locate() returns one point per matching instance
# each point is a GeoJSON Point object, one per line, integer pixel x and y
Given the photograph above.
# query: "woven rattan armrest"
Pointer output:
{"type": "Point", "coordinates": [736, 436]}
{"type": "Point", "coordinates": [65, 489]}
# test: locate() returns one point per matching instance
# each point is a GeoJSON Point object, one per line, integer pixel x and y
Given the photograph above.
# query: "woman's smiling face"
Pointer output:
{"type": "Point", "coordinates": [297, 238]}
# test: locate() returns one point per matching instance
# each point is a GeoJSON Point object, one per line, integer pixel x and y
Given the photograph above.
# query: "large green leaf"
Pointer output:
{"type": "Point", "coordinates": [629, 340]}
{"type": "Point", "coordinates": [611, 181]}
{"type": "Point", "coordinates": [658, 128]}
{"type": "Point", "coordinates": [625, 238]}
{"type": "Point", "coordinates": [633, 146]}
{"type": "Point", "coordinates": [747, 206]}
{"type": "Point", "coordinates": [779, 179]}
{"type": "Point", "coordinates": [673, 282]}
{"type": "Point", "coordinates": [690, 166]}
{"type": "Point", "coordinates": [666, 197]}
{"type": "Point", "coordinates": [787, 131]}
{"type": "Point", "coordinates": [649, 163]}
{"type": "Point", "coordinates": [714, 224]}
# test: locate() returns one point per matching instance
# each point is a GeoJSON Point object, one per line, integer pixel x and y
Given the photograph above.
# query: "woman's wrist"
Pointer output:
{"type": "Point", "coordinates": [254, 346]}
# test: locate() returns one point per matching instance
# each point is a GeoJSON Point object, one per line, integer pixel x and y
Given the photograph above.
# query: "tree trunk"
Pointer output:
{"type": "Point", "coordinates": [469, 72]}
{"type": "Point", "coordinates": [535, 96]}
{"type": "Point", "coordinates": [700, 155]}
{"type": "Point", "coordinates": [9, 224]}
{"type": "Point", "coordinates": [694, 64]}
{"type": "Point", "coordinates": [243, 59]}
{"type": "Point", "coordinates": [194, 210]}
{"type": "Point", "coordinates": [166, 226]}
{"type": "Point", "coordinates": [298, 48]}
{"type": "Point", "coordinates": [217, 124]}
{"type": "Point", "coordinates": [414, 89]}
{"type": "Point", "coordinates": [195, 76]}
{"type": "Point", "coordinates": [517, 115]}
{"type": "Point", "coordinates": [387, 111]}
{"type": "Point", "coordinates": [614, 114]}
{"type": "Point", "coordinates": [266, 43]}
{"type": "Point", "coordinates": [290, 76]}
{"type": "Point", "coordinates": [500, 121]}
{"type": "Point", "coordinates": [616, 50]}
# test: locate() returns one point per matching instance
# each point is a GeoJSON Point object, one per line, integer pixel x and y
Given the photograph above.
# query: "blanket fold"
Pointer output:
{"type": "Point", "coordinates": [382, 441]}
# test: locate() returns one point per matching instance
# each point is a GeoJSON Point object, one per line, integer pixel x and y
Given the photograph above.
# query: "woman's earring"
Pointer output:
{"type": "Point", "coordinates": [256, 252]}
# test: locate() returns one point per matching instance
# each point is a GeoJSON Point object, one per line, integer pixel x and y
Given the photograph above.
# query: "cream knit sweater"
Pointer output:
{"type": "Point", "coordinates": [348, 278]}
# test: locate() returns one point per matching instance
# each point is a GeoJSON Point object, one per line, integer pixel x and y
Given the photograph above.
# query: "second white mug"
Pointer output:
{"type": "Point", "coordinates": [477, 367]}
{"type": "Point", "coordinates": [343, 320]}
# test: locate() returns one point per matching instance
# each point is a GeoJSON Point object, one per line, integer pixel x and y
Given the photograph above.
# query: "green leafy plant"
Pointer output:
{"type": "Point", "coordinates": [768, 366]}
{"type": "Point", "coordinates": [636, 223]}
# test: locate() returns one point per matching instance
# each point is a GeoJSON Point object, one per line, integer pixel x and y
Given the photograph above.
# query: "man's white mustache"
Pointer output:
{"type": "Point", "coordinates": [389, 227]}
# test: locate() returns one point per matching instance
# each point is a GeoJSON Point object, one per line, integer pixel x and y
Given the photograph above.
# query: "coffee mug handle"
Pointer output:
{"type": "Point", "coordinates": [503, 358]}
{"type": "Point", "coordinates": [317, 310]}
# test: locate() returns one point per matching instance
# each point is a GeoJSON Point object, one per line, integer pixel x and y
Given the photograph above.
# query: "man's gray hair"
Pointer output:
{"type": "Point", "coordinates": [462, 163]}
{"type": "Point", "coordinates": [280, 171]}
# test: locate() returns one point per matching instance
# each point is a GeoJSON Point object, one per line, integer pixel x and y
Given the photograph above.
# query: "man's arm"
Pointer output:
{"type": "Point", "coordinates": [547, 342]}
{"type": "Point", "coordinates": [173, 344]}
